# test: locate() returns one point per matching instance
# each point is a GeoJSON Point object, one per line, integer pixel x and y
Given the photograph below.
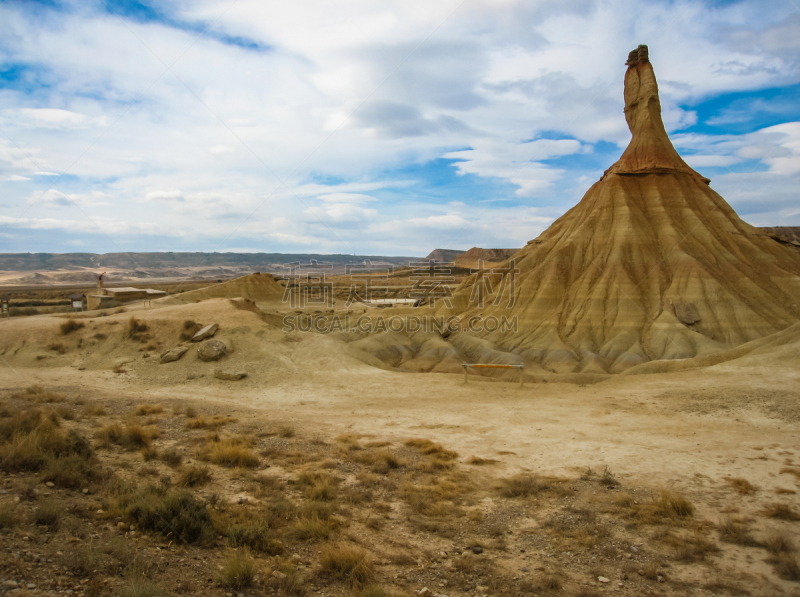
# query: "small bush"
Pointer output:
{"type": "Point", "coordinates": [741, 486]}
{"type": "Point", "coordinates": [171, 512]}
{"type": "Point", "coordinates": [194, 476]}
{"type": "Point", "coordinates": [231, 452]}
{"type": "Point", "coordinates": [313, 528]}
{"type": "Point", "coordinates": [190, 412]}
{"type": "Point", "coordinates": [48, 513]}
{"type": "Point", "coordinates": [673, 505]}
{"type": "Point", "coordinates": [72, 471]}
{"type": "Point", "coordinates": [478, 461]}
{"type": "Point", "coordinates": [129, 436]}
{"type": "Point", "coordinates": [350, 564]}
{"type": "Point", "coordinates": [289, 584]}
{"type": "Point", "coordinates": [7, 515]}
{"type": "Point", "coordinates": [171, 457]}
{"type": "Point", "coordinates": [70, 326]}
{"type": "Point", "coordinates": [238, 571]}
{"type": "Point", "coordinates": [135, 327]}
{"type": "Point", "coordinates": [140, 587]}
{"type": "Point", "coordinates": [148, 409]}
{"type": "Point", "coordinates": [785, 566]}
{"type": "Point", "coordinates": [214, 422]}
{"type": "Point", "coordinates": [608, 478]}
{"type": "Point", "coordinates": [255, 535]}
{"type": "Point", "coordinates": [778, 542]}
{"type": "Point", "coordinates": [733, 531]}
{"type": "Point", "coordinates": [39, 394]}
{"type": "Point", "coordinates": [286, 431]}
{"type": "Point", "coordinates": [781, 512]}
{"type": "Point", "coordinates": [523, 485]}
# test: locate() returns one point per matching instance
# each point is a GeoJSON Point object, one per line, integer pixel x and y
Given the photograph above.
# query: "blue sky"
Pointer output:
{"type": "Point", "coordinates": [375, 128]}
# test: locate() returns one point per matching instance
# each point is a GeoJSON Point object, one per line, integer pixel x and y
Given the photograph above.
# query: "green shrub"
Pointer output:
{"type": "Point", "coordinates": [173, 513]}
{"type": "Point", "coordinates": [256, 535]}
{"type": "Point", "coordinates": [238, 571]}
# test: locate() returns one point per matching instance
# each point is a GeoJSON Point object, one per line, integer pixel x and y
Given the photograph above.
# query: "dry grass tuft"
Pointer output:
{"type": "Point", "coordinates": [478, 461]}
{"type": "Point", "coordinates": [741, 486]}
{"type": "Point", "coordinates": [736, 532]}
{"type": "Point", "coordinates": [38, 394]}
{"type": "Point", "coordinates": [238, 571]}
{"type": "Point", "coordinates": [349, 564]}
{"type": "Point", "coordinates": [786, 566]}
{"type": "Point", "coordinates": [148, 409]}
{"type": "Point", "coordinates": [673, 505]}
{"type": "Point", "coordinates": [194, 476]}
{"type": "Point", "coordinates": [128, 436]}
{"type": "Point", "coordinates": [781, 512]}
{"type": "Point", "coordinates": [230, 452]}
{"type": "Point", "coordinates": [523, 485]}
{"type": "Point", "coordinates": [214, 422]}
{"type": "Point", "coordinates": [776, 541]}
{"type": "Point", "coordinates": [70, 326]}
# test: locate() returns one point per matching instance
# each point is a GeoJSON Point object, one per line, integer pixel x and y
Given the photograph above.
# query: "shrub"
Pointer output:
{"type": "Point", "coordinates": [140, 587]}
{"type": "Point", "coordinates": [129, 436]}
{"type": "Point", "coordinates": [673, 505]}
{"type": "Point", "coordinates": [72, 471]}
{"type": "Point", "coordinates": [214, 422]}
{"type": "Point", "coordinates": [171, 512]}
{"type": "Point", "coordinates": [781, 512]}
{"type": "Point", "coordinates": [733, 531]}
{"type": "Point", "coordinates": [7, 515]}
{"type": "Point", "coordinates": [48, 513]}
{"type": "Point", "coordinates": [30, 440]}
{"type": "Point", "coordinates": [134, 328]}
{"type": "Point", "coordinates": [255, 535]}
{"type": "Point", "coordinates": [350, 564]}
{"type": "Point", "coordinates": [523, 485]}
{"type": "Point", "coordinates": [313, 528]}
{"type": "Point", "coordinates": [741, 486]}
{"type": "Point", "coordinates": [238, 571]}
{"type": "Point", "coordinates": [785, 566]}
{"type": "Point", "coordinates": [39, 394]}
{"type": "Point", "coordinates": [778, 542]}
{"type": "Point", "coordinates": [231, 452]}
{"type": "Point", "coordinates": [70, 326]}
{"type": "Point", "coordinates": [286, 431]}
{"type": "Point", "coordinates": [194, 476]}
{"type": "Point", "coordinates": [148, 409]}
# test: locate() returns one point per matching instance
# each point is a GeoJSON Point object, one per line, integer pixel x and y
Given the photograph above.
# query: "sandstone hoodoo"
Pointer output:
{"type": "Point", "coordinates": [650, 264]}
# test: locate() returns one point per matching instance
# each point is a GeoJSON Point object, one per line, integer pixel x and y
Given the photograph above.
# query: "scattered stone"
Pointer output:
{"type": "Point", "coordinates": [603, 579]}
{"type": "Point", "coordinates": [10, 584]}
{"type": "Point", "coordinates": [477, 549]}
{"type": "Point", "coordinates": [206, 332]}
{"type": "Point", "coordinates": [85, 491]}
{"type": "Point", "coordinates": [31, 585]}
{"type": "Point", "coordinates": [424, 592]}
{"type": "Point", "coordinates": [173, 354]}
{"type": "Point", "coordinates": [278, 574]}
{"type": "Point", "coordinates": [660, 579]}
{"type": "Point", "coordinates": [212, 350]}
{"type": "Point", "coordinates": [50, 484]}
{"type": "Point", "coordinates": [229, 375]}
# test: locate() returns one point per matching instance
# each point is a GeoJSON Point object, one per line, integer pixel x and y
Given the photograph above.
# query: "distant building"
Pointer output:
{"type": "Point", "coordinates": [109, 297]}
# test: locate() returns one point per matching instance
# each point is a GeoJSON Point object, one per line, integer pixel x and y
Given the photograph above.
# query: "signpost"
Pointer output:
{"type": "Point", "coordinates": [4, 306]}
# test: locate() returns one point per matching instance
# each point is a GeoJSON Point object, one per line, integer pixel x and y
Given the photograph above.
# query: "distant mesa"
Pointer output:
{"type": "Point", "coordinates": [650, 264]}
{"type": "Point", "coordinates": [472, 256]}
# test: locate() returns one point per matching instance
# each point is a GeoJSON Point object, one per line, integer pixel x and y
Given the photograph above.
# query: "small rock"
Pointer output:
{"type": "Point", "coordinates": [603, 579]}
{"type": "Point", "coordinates": [229, 375]}
{"type": "Point", "coordinates": [173, 354]}
{"type": "Point", "coordinates": [50, 484]}
{"type": "Point", "coordinates": [10, 584]}
{"type": "Point", "coordinates": [31, 585]}
{"type": "Point", "coordinates": [660, 579]}
{"type": "Point", "coordinates": [278, 574]}
{"type": "Point", "coordinates": [424, 592]}
{"type": "Point", "coordinates": [212, 350]}
{"type": "Point", "coordinates": [477, 549]}
{"type": "Point", "coordinates": [206, 332]}
{"type": "Point", "coordinates": [85, 491]}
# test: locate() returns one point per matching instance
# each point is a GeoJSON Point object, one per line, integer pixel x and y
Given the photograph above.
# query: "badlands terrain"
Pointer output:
{"type": "Point", "coordinates": [223, 441]}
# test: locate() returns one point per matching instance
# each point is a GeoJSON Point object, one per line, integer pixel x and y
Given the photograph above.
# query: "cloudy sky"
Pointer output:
{"type": "Point", "coordinates": [376, 127]}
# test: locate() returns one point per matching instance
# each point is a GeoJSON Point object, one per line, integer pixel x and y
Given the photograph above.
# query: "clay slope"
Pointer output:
{"type": "Point", "coordinates": [255, 287]}
{"type": "Point", "coordinates": [651, 264]}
